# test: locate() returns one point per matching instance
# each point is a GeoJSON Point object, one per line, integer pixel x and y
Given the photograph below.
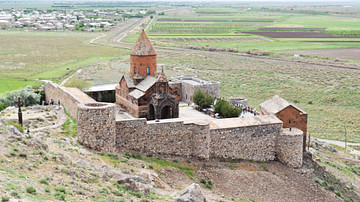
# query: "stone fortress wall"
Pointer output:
{"type": "Point", "coordinates": [68, 97]}
{"type": "Point", "coordinates": [259, 138]}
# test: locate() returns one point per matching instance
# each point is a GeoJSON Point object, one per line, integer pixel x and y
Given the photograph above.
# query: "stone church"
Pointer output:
{"type": "Point", "coordinates": [144, 92]}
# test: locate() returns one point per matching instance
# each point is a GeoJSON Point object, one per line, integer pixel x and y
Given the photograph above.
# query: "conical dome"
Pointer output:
{"type": "Point", "coordinates": [143, 46]}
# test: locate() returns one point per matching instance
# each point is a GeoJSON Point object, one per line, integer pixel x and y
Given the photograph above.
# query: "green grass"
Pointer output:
{"type": "Point", "coordinates": [27, 56]}
{"type": "Point", "coordinates": [160, 163]}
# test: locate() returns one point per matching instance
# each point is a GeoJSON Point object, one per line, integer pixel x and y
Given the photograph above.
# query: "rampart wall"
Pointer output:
{"type": "Point", "coordinates": [256, 142]}
{"type": "Point", "coordinates": [257, 138]}
{"type": "Point", "coordinates": [69, 97]}
{"type": "Point", "coordinates": [173, 138]}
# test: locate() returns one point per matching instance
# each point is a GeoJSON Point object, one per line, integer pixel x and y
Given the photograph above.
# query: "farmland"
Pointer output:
{"type": "Point", "coordinates": [245, 28]}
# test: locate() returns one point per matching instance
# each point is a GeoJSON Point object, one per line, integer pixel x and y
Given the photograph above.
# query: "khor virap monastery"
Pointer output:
{"type": "Point", "coordinates": [278, 133]}
{"type": "Point", "coordinates": [145, 92]}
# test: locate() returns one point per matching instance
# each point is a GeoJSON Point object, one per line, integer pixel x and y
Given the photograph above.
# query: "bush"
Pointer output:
{"type": "Point", "coordinates": [202, 99]}
{"type": "Point", "coordinates": [27, 95]}
{"type": "Point", "coordinates": [60, 189]}
{"type": "Point", "coordinates": [44, 181]}
{"type": "Point", "coordinates": [31, 190]}
{"type": "Point", "coordinates": [18, 126]}
{"type": "Point", "coordinates": [5, 198]}
{"type": "Point", "coordinates": [2, 104]}
{"type": "Point", "coordinates": [225, 109]}
{"type": "Point", "coordinates": [78, 83]}
{"type": "Point", "coordinates": [59, 196]}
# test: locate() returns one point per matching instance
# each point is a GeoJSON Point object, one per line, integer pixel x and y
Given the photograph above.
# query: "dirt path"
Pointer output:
{"type": "Point", "coordinates": [342, 144]}
{"type": "Point", "coordinates": [61, 118]}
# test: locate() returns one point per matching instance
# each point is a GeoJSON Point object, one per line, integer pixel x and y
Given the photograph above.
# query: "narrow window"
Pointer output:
{"type": "Point", "coordinates": [147, 70]}
{"type": "Point", "coordinates": [135, 69]}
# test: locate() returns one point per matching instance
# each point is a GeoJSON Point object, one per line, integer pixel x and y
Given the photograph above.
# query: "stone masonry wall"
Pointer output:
{"type": "Point", "coordinates": [289, 147]}
{"type": "Point", "coordinates": [67, 99]}
{"type": "Point", "coordinates": [253, 138]}
{"type": "Point", "coordinates": [173, 138]}
{"type": "Point", "coordinates": [97, 126]}
{"type": "Point", "coordinates": [250, 142]}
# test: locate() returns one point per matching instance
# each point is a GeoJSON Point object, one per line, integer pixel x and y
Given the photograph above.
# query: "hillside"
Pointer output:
{"type": "Point", "coordinates": [48, 163]}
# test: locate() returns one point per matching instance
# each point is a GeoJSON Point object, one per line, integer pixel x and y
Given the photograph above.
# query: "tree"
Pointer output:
{"type": "Point", "coordinates": [27, 95]}
{"type": "Point", "coordinates": [203, 99]}
{"type": "Point", "coordinates": [224, 109]}
{"type": "Point", "coordinates": [78, 83]}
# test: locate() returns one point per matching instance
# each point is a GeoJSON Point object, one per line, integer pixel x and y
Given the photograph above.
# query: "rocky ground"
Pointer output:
{"type": "Point", "coordinates": [47, 163]}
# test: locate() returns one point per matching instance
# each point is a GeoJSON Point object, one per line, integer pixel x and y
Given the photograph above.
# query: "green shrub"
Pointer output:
{"type": "Point", "coordinates": [31, 190]}
{"type": "Point", "coordinates": [47, 190]}
{"type": "Point", "coordinates": [5, 198]}
{"type": "Point", "coordinates": [15, 194]}
{"type": "Point", "coordinates": [134, 193]}
{"type": "Point", "coordinates": [60, 189]}
{"type": "Point", "coordinates": [203, 99]}
{"type": "Point", "coordinates": [2, 105]}
{"type": "Point", "coordinates": [44, 181]}
{"type": "Point", "coordinates": [202, 181]}
{"type": "Point", "coordinates": [224, 109]}
{"type": "Point", "coordinates": [18, 126]}
{"type": "Point", "coordinates": [59, 196]}
{"type": "Point", "coordinates": [27, 95]}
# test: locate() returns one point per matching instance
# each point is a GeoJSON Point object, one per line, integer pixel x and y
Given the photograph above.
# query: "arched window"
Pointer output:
{"type": "Point", "coordinates": [135, 69]}
{"type": "Point", "coordinates": [147, 70]}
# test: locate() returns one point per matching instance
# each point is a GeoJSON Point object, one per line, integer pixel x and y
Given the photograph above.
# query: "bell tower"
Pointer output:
{"type": "Point", "coordinates": [142, 58]}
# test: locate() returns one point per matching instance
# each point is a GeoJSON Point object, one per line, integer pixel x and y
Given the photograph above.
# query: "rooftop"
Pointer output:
{"type": "Point", "coordinates": [143, 46]}
{"type": "Point", "coordinates": [275, 104]}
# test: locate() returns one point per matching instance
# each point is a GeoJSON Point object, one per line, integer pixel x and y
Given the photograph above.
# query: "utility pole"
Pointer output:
{"type": "Point", "coordinates": [345, 137]}
{"type": "Point", "coordinates": [309, 142]}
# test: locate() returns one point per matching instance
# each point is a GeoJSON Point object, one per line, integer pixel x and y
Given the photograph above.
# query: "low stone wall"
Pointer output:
{"type": "Point", "coordinates": [174, 138]}
{"type": "Point", "coordinates": [252, 142]}
{"type": "Point", "coordinates": [67, 97]}
{"type": "Point", "coordinates": [289, 147]}
{"type": "Point", "coordinates": [96, 126]}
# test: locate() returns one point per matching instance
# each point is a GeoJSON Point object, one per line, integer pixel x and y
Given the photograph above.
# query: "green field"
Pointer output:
{"type": "Point", "coordinates": [29, 56]}
{"type": "Point", "coordinates": [226, 23]}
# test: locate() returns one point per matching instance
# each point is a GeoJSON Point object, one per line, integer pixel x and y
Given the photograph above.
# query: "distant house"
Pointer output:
{"type": "Point", "coordinates": [289, 114]}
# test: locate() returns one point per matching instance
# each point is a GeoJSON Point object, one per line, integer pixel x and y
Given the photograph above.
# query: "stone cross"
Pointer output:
{"type": "Point", "coordinates": [19, 102]}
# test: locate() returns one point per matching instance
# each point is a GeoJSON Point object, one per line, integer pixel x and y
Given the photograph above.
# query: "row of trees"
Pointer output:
{"type": "Point", "coordinates": [222, 107]}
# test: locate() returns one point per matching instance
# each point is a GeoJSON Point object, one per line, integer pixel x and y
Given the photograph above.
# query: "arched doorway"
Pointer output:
{"type": "Point", "coordinates": [151, 112]}
{"type": "Point", "coordinates": [166, 112]}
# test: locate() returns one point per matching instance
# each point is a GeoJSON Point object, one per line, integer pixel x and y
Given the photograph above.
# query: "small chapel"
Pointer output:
{"type": "Point", "coordinates": [144, 92]}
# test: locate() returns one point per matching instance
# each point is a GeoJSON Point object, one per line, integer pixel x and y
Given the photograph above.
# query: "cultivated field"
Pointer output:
{"type": "Point", "coordinates": [232, 27]}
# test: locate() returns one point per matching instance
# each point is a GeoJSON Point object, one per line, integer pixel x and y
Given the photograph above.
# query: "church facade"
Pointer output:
{"type": "Point", "coordinates": [144, 92]}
